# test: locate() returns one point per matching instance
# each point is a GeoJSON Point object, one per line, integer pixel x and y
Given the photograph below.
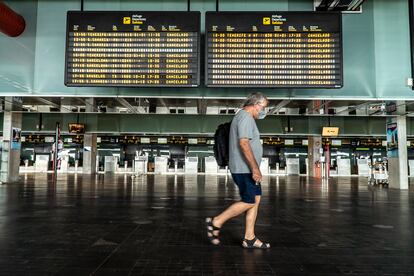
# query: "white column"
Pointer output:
{"type": "Point", "coordinates": [89, 153]}
{"type": "Point", "coordinates": [89, 144]}
{"type": "Point", "coordinates": [10, 156]}
{"type": "Point", "coordinates": [314, 154]}
{"type": "Point", "coordinates": [397, 158]}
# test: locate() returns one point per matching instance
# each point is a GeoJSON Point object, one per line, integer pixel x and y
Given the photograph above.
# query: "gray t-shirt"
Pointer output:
{"type": "Point", "coordinates": [243, 126]}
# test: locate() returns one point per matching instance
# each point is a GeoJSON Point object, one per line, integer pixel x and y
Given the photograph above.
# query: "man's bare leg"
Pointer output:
{"type": "Point", "coordinates": [233, 211]}
{"type": "Point", "coordinates": [251, 216]}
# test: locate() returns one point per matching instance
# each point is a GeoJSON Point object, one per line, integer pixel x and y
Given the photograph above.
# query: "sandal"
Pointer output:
{"type": "Point", "coordinates": [210, 229]}
{"type": "Point", "coordinates": [250, 244]}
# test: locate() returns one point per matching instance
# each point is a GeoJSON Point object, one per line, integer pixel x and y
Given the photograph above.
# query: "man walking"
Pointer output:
{"type": "Point", "coordinates": [245, 154]}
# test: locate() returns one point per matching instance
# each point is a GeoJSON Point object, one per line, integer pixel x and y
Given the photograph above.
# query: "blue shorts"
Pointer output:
{"type": "Point", "coordinates": [247, 187]}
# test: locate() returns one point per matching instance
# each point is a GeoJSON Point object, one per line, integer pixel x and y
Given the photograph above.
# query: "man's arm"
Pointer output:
{"type": "Point", "coordinates": [251, 161]}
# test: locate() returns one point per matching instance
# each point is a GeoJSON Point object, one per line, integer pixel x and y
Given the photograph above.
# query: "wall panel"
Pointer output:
{"type": "Point", "coordinates": [376, 50]}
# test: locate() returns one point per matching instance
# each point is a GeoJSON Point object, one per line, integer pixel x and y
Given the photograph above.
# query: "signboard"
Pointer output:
{"type": "Point", "coordinates": [289, 142]}
{"type": "Point", "coordinates": [49, 139]}
{"type": "Point", "coordinates": [132, 49]}
{"type": "Point", "coordinates": [76, 128]}
{"type": "Point", "coordinates": [274, 49]}
{"type": "Point", "coordinates": [336, 142]}
{"type": "Point", "coordinates": [392, 138]}
{"type": "Point", "coordinates": [16, 138]}
{"type": "Point", "coordinates": [330, 131]}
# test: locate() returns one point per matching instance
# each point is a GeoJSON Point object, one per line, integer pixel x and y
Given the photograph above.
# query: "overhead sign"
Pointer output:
{"type": "Point", "coordinates": [274, 49]}
{"type": "Point", "coordinates": [330, 131]}
{"type": "Point", "coordinates": [133, 49]}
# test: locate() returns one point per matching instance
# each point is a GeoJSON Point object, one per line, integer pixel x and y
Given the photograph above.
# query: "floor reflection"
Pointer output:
{"type": "Point", "coordinates": [153, 225]}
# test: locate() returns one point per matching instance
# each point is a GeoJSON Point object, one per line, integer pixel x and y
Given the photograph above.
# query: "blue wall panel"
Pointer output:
{"type": "Point", "coordinates": [17, 54]}
{"type": "Point", "coordinates": [263, 5]}
{"type": "Point", "coordinates": [376, 50]}
{"type": "Point", "coordinates": [392, 49]}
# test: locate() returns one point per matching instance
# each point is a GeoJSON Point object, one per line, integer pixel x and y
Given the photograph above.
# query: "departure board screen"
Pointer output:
{"type": "Point", "coordinates": [133, 49]}
{"type": "Point", "coordinates": [274, 49]}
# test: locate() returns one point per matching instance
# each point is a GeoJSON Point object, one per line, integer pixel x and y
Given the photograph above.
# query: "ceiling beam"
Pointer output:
{"type": "Point", "coordinates": [55, 105]}
{"type": "Point", "coordinates": [89, 103]}
{"type": "Point", "coordinates": [319, 107]}
{"type": "Point", "coordinates": [279, 106]}
{"type": "Point", "coordinates": [162, 101]}
{"type": "Point", "coordinates": [126, 104]}
{"type": "Point", "coordinates": [360, 106]}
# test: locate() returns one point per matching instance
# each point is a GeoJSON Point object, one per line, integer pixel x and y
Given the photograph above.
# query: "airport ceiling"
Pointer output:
{"type": "Point", "coordinates": [199, 106]}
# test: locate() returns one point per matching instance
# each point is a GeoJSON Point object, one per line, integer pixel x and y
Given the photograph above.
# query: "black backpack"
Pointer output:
{"type": "Point", "coordinates": [221, 144]}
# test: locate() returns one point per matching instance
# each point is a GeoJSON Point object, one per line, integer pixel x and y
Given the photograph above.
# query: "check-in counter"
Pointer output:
{"type": "Point", "coordinates": [64, 163]}
{"type": "Point", "coordinates": [264, 166]}
{"type": "Point", "coordinates": [411, 167]}
{"type": "Point", "coordinates": [141, 164]}
{"type": "Point", "coordinates": [42, 162]}
{"type": "Point", "coordinates": [363, 167]}
{"type": "Point", "coordinates": [344, 166]}
{"type": "Point", "coordinates": [110, 164]}
{"type": "Point", "coordinates": [292, 166]}
{"type": "Point", "coordinates": [211, 166]}
{"type": "Point", "coordinates": [161, 164]}
{"type": "Point", "coordinates": [191, 165]}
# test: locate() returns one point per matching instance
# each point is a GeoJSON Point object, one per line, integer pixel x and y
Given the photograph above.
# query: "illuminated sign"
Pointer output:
{"type": "Point", "coordinates": [133, 49]}
{"type": "Point", "coordinates": [289, 142]}
{"type": "Point", "coordinates": [192, 141]}
{"type": "Point", "coordinates": [336, 142]}
{"type": "Point", "coordinates": [330, 131]}
{"type": "Point", "coordinates": [274, 49]}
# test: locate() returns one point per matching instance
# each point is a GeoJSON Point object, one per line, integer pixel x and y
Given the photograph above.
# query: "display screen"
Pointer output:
{"type": "Point", "coordinates": [133, 49]}
{"type": "Point", "coordinates": [274, 49]}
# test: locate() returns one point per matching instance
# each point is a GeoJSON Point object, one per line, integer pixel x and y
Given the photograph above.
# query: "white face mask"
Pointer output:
{"type": "Point", "coordinates": [262, 114]}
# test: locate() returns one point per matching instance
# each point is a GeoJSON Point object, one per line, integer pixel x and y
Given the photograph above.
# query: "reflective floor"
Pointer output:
{"type": "Point", "coordinates": [153, 225]}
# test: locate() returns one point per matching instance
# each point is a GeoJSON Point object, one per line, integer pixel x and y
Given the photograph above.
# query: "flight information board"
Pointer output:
{"type": "Point", "coordinates": [274, 49]}
{"type": "Point", "coordinates": [133, 49]}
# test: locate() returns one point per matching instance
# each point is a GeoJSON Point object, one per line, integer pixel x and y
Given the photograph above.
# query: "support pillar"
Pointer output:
{"type": "Point", "coordinates": [397, 152]}
{"type": "Point", "coordinates": [89, 153]}
{"type": "Point", "coordinates": [314, 155]}
{"type": "Point", "coordinates": [315, 149]}
{"type": "Point", "coordinates": [89, 144]}
{"type": "Point", "coordinates": [10, 155]}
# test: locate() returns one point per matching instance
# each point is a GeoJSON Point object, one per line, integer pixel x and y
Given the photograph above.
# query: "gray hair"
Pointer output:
{"type": "Point", "coordinates": [254, 98]}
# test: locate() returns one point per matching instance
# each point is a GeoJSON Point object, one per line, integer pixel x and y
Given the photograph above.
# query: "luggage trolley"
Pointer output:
{"type": "Point", "coordinates": [379, 174]}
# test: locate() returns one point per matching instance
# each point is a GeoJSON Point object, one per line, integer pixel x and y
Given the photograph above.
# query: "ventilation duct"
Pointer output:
{"type": "Point", "coordinates": [11, 23]}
